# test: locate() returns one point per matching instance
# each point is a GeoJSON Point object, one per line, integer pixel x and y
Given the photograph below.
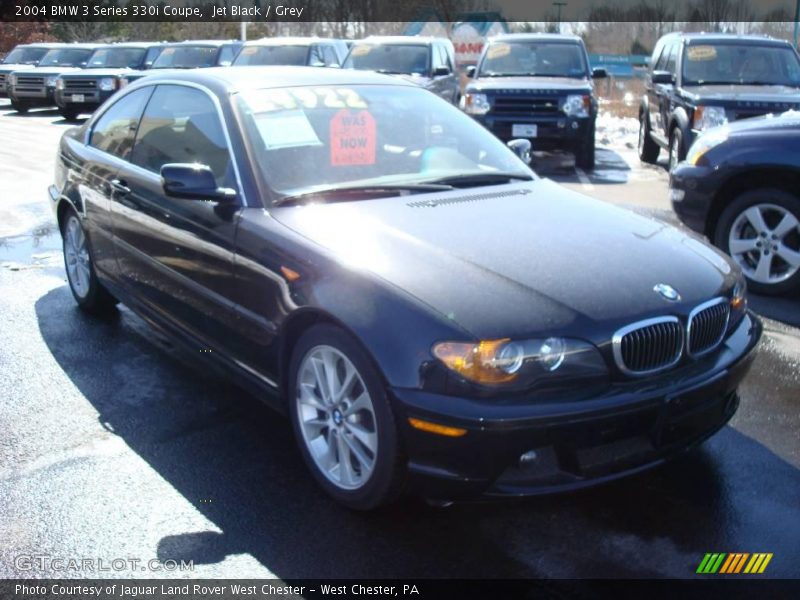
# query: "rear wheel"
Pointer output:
{"type": "Point", "coordinates": [20, 106]}
{"type": "Point", "coordinates": [760, 229]}
{"type": "Point", "coordinates": [342, 419]}
{"type": "Point", "coordinates": [676, 150]}
{"type": "Point", "coordinates": [648, 149]}
{"type": "Point", "coordinates": [88, 292]}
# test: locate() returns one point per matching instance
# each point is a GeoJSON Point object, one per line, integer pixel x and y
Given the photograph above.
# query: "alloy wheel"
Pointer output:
{"type": "Point", "coordinates": [336, 417]}
{"type": "Point", "coordinates": [674, 152]}
{"type": "Point", "coordinates": [76, 256]}
{"type": "Point", "coordinates": [765, 241]}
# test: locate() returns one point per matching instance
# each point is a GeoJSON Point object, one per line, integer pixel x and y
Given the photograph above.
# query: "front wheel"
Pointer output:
{"type": "Point", "coordinates": [676, 150]}
{"type": "Point", "coordinates": [20, 106]}
{"type": "Point", "coordinates": [584, 155]}
{"type": "Point", "coordinates": [68, 114]}
{"type": "Point", "coordinates": [760, 229]}
{"type": "Point", "coordinates": [648, 149]}
{"type": "Point", "coordinates": [342, 419]}
{"type": "Point", "coordinates": [87, 290]}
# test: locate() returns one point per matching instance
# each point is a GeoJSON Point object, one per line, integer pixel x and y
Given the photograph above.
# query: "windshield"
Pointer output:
{"type": "Point", "coordinates": [533, 58]}
{"type": "Point", "coordinates": [66, 57]}
{"type": "Point", "coordinates": [272, 55]}
{"type": "Point", "coordinates": [24, 56]}
{"type": "Point", "coordinates": [740, 64]}
{"type": "Point", "coordinates": [307, 139]}
{"type": "Point", "coordinates": [390, 58]}
{"type": "Point", "coordinates": [186, 57]}
{"type": "Point", "coordinates": [116, 58]}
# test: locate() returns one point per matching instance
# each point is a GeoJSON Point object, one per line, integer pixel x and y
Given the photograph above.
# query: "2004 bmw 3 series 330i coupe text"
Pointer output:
{"type": "Point", "coordinates": [433, 317]}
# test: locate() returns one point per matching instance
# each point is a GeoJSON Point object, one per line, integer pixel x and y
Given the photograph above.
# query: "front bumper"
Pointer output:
{"type": "Point", "coordinates": [554, 132]}
{"type": "Point", "coordinates": [35, 97]}
{"type": "Point", "coordinates": [569, 445]}
{"type": "Point", "coordinates": [91, 99]}
{"type": "Point", "coordinates": [692, 190]}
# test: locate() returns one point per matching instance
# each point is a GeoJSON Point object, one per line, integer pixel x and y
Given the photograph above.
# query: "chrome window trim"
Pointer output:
{"type": "Point", "coordinates": [616, 345]}
{"type": "Point", "coordinates": [214, 99]}
{"type": "Point", "coordinates": [697, 310]}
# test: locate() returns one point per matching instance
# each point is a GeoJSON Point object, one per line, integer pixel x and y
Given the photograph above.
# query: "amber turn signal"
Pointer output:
{"type": "Point", "coordinates": [436, 428]}
{"type": "Point", "coordinates": [477, 362]}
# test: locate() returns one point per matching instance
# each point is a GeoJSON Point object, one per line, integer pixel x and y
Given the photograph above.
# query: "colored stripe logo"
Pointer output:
{"type": "Point", "coordinates": [734, 563]}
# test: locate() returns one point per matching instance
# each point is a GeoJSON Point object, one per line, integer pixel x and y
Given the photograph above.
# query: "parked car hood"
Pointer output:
{"type": "Point", "coordinates": [46, 71]}
{"type": "Point", "coordinates": [768, 123]}
{"type": "Point", "coordinates": [518, 259]}
{"type": "Point", "coordinates": [569, 84]}
{"type": "Point", "coordinates": [97, 73]}
{"type": "Point", "coordinates": [15, 67]}
{"type": "Point", "coordinates": [752, 93]}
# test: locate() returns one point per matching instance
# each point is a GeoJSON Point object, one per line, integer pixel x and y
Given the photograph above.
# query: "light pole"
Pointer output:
{"type": "Point", "coordinates": [558, 5]}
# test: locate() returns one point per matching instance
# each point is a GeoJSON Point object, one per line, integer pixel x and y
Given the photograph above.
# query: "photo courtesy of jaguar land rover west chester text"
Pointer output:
{"type": "Point", "coordinates": [433, 317]}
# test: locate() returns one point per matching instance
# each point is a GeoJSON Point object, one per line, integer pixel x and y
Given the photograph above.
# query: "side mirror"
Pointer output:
{"type": "Point", "coordinates": [663, 77]}
{"type": "Point", "coordinates": [599, 73]}
{"type": "Point", "coordinates": [522, 148]}
{"type": "Point", "coordinates": [471, 70]}
{"type": "Point", "coordinates": [193, 182]}
{"type": "Point", "coordinates": [441, 71]}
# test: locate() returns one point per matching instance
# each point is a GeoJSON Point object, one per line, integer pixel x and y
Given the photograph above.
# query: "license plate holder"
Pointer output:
{"type": "Point", "coordinates": [524, 130]}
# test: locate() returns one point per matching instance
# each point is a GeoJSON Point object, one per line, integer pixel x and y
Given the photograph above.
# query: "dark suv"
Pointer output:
{"type": "Point", "coordinates": [699, 81]}
{"type": "Point", "coordinates": [36, 87]}
{"type": "Point", "coordinates": [85, 90]}
{"type": "Point", "coordinates": [23, 56]}
{"type": "Point", "coordinates": [538, 87]}
{"type": "Point", "coordinates": [192, 54]}
{"type": "Point", "coordinates": [427, 61]}
{"type": "Point", "coordinates": [295, 51]}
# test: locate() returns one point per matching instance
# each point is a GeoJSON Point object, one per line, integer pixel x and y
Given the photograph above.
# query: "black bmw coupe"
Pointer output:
{"type": "Point", "coordinates": [433, 317]}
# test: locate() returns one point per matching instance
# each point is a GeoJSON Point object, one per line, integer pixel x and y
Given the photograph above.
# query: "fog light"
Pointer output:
{"type": "Point", "coordinates": [528, 459]}
{"type": "Point", "coordinates": [676, 195]}
{"type": "Point", "coordinates": [574, 125]}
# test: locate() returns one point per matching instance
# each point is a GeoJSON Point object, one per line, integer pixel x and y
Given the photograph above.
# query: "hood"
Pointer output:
{"type": "Point", "coordinates": [780, 123]}
{"type": "Point", "coordinates": [46, 71]}
{"type": "Point", "coordinates": [519, 259]}
{"type": "Point", "coordinates": [97, 73]}
{"type": "Point", "coordinates": [15, 67]}
{"type": "Point", "coordinates": [510, 84]}
{"type": "Point", "coordinates": [743, 93]}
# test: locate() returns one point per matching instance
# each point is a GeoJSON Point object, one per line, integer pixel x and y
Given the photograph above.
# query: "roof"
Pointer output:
{"type": "Point", "coordinates": [79, 46]}
{"type": "Point", "coordinates": [236, 79]}
{"type": "Point", "coordinates": [283, 41]}
{"type": "Point", "coordinates": [42, 45]}
{"type": "Point", "coordinates": [537, 37]}
{"type": "Point", "coordinates": [725, 37]}
{"type": "Point", "coordinates": [399, 39]}
{"type": "Point", "coordinates": [133, 44]}
{"type": "Point", "coordinates": [202, 43]}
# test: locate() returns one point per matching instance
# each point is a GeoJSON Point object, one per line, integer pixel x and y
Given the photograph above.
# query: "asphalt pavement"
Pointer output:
{"type": "Point", "coordinates": [114, 444]}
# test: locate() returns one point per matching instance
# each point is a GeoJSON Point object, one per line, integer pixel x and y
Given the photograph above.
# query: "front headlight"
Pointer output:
{"type": "Point", "coordinates": [59, 84]}
{"type": "Point", "coordinates": [51, 81]}
{"type": "Point", "coordinates": [12, 79]}
{"type": "Point", "coordinates": [704, 143]}
{"type": "Point", "coordinates": [475, 104]}
{"type": "Point", "coordinates": [706, 117]}
{"type": "Point", "coordinates": [577, 105]}
{"type": "Point", "coordinates": [521, 362]}
{"type": "Point", "coordinates": [107, 84]}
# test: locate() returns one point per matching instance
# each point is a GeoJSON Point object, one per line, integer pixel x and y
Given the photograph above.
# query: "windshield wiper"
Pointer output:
{"type": "Point", "coordinates": [478, 179]}
{"type": "Point", "coordinates": [367, 190]}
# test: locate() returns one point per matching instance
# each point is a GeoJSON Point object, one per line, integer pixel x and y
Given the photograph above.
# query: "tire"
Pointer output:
{"type": "Point", "coordinates": [67, 114]}
{"type": "Point", "coordinates": [584, 155]}
{"type": "Point", "coordinates": [648, 149]}
{"type": "Point", "coordinates": [676, 150]}
{"type": "Point", "coordinates": [19, 106]}
{"type": "Point", "coordinates": [87, 290]}
{"type": "Point", "coordinates": [374, 479]}
{"type": "Point", "coordinates": [777, 253]}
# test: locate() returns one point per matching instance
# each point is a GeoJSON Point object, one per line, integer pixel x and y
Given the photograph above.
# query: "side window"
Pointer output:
{"type": "Point", "coordinates": [330, 56]}
{"type": "Point", "coordinates": [662, 60]}
{"type": "Point", "coordinates": [151, 55]}
{"type": "Point", "coordinates": [226, 56]}
{"type": "Point", "coordinates": [436, 55]}
{"type": "Point", "coordinates": [315, 58]}
{"type": "Point", "coordinates": [672, 59]}
{"type": "Point", "coordinates": [115, 129]}
{"type": "Point", "coordinates": [448, 61]}
{"type": "Point", "coordinates": [181, 125]}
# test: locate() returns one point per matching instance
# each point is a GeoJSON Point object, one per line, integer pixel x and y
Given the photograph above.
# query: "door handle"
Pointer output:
{"type": "Point", "coordinates": [119, 187]}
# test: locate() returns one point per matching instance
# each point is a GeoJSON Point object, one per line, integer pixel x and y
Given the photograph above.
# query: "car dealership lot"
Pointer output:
{"type": "Point", "coordinates": [114, 445]}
